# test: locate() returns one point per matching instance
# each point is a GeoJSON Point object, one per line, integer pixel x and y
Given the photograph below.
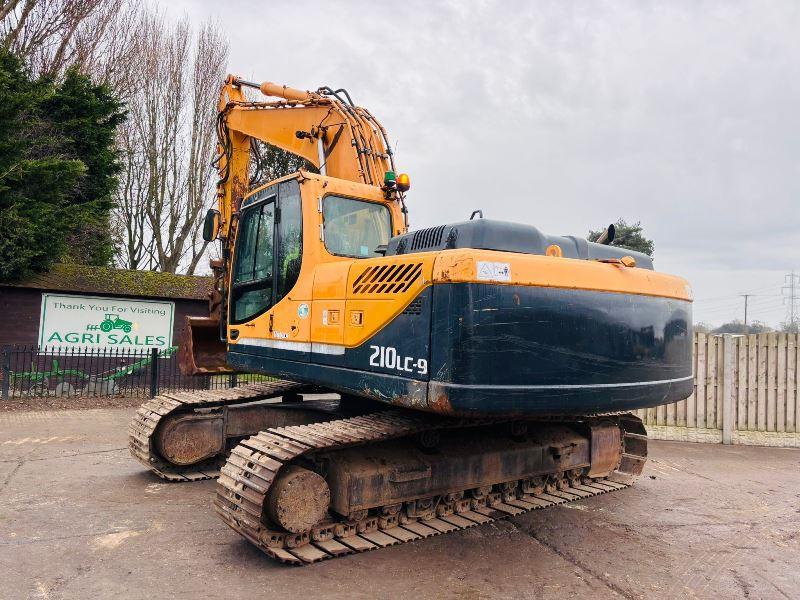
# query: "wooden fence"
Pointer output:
{"type": "Point", "coordinates": [746, 392]}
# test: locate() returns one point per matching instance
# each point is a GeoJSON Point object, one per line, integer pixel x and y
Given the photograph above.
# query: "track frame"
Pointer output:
{"type": "Point", "coordinates": [245, 481]}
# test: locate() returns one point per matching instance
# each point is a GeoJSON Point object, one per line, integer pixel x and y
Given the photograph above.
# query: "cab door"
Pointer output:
{"type": "Point", "coordinates": [252, 284]}
{"type": "Point", "coordinates": [267, 266]}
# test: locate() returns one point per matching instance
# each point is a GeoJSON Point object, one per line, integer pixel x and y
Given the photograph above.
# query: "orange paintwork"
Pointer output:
{"type": "Point", "coordinates": [323, 278]}
{"type": "Point", "coordinates": [565, 273]}
{"type": "Point", "coordinates": [326, 282]}
{"type": "Point", "coordinates": [380, 308]}
{"type": "Point", "coordinates": [284, 91]}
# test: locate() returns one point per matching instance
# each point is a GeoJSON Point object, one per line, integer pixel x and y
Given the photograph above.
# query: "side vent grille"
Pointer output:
{"type": "Point", "coordinates": [415, 308]}
{"type": "Point", "coordinates": [426, 238]}
{"type": "Point", "coordinates": [387, 279]}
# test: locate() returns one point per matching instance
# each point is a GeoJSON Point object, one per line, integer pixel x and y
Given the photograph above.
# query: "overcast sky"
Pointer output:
{"type": "Point", "coordinates": [566, 116]}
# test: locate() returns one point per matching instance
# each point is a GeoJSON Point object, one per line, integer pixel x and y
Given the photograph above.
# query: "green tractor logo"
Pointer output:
{"type": "Point", "coordinates": [112, 322]}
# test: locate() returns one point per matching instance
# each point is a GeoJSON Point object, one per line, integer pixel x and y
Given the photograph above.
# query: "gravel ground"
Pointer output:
{"type": "Point", "coordinates": [69, 403]}
{"type": "Point", "coordinates": [80, 519]}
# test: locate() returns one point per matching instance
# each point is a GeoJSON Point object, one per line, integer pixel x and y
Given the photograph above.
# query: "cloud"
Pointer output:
{"type": "Point", "coordinates": [567, 115]}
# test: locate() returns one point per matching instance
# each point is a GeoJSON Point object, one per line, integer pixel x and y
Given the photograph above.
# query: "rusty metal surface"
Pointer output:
{"type": "Point", "coordinates": [634, 450]}
{"type": "Point", "coordinates": [201, 351]}
{"type": "Point", "coordinates": [188, 439]}
{"type": "Point", "coordinates": [298, 499]}
{"type": "Point", "coordinates": [151, 414]}
{"type": "Point", "coordinates": [606, 448]}
{"type": "Point", "coordinates": [248, 419]}
{"type": "Point", "coordinates": [245, 485]}
{"type": "Point", "coordinates": [396, 471]}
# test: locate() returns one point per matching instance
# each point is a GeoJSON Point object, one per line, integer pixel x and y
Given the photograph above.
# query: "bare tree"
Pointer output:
{"type": "Point", "coordinates": [134, 248]}
{"type": "Point", "coordinates": [169, 79]}
{"type": "Point", "coordinates": [210, 61]}
{"type": "Point", "coordinates": [171, 143]}
{"type": "Point", "coordinates": [53, 35]}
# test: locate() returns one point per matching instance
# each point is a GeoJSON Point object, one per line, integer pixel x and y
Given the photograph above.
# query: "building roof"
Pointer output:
{"type": "Point", "coordinates": [119, 282]}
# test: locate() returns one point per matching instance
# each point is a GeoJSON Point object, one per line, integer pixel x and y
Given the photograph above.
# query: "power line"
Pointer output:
{"type": "Point", "coordinates": [727, 296]}
{"type": "Point", "coordinates": [753, 312]}
{"type": "Point", "coordinates": [790, 291]}
{"type": "Point", "coordinates": [746, 298]}
{"type": "Point", "coordinates": [755, 301]}
{"type": "Point", "coordinates": [758, 304]}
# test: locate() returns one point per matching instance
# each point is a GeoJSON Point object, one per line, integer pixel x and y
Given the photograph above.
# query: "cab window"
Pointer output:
{"type": "Point", "coordinates": [269, 251]}
{"type": "Point", "coordinates": [354, 228]}
{"type": "Point", "coordinates": [289, 239]}
{"type": "Point", "coordinates": [252, 283]}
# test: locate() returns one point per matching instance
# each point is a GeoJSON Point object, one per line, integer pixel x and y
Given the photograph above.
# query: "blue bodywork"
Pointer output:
{"type": "Point", "coordinates": [484, 349]}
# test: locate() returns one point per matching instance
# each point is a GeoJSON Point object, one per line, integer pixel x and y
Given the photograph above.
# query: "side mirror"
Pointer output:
{"type": "Point", "coordinates": [211, 225]}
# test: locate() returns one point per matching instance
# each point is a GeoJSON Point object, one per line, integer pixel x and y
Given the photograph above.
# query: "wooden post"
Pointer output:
{"type": "Point", "coordinates": [712, 380]}
{"type": "Point", "coordinates": [741, 383]}
{"type": "Point", "coordinates": [761, 399]}
{"type": "Point", "coordinates": [780, 372]}
{"type": "Point", "coordinates": [727, 389]}
{"type": "Point", "coordinates": [700, 380]}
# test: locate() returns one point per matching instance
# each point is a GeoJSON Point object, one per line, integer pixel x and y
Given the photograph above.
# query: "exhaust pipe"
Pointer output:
{"type": "Point", "coordinates": [607, 236]}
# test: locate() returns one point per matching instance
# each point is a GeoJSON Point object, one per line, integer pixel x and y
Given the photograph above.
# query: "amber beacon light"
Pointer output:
{"type": "Point", "coordinates": [403, 182]}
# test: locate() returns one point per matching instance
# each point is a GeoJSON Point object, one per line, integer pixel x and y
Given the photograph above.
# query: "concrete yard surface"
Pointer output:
{"type": "Point", "coordinates": [79, 518]}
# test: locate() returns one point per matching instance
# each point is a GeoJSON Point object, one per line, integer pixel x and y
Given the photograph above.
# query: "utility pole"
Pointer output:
{"type": "Point", "coordinates": [746, 297]}
{"type": "Point", "coordinates": [790, 291]}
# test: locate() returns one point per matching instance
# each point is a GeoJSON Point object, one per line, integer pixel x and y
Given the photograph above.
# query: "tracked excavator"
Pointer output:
{"type": "Point", "coordinates": [481, 368]}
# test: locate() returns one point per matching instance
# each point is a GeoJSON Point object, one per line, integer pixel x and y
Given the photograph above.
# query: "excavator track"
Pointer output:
{"type": "Point", "coordinates": [251, 470]}
{"type": "Point", "coordinates": [153, 412]}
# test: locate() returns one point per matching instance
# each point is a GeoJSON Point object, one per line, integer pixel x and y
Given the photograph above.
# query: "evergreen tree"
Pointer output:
{"type": "Point", "coordinates": [737, 327]}
{"type": "Point", "coordinates": [86, 116]}
{"type": "Point", "coordinates": [57, 167]}
{"type": "Point", "coordinates": [628, 236]}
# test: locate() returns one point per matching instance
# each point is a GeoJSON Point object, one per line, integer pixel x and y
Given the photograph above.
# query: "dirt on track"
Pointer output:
{"type": "Point", "coordinates": [79, 518]}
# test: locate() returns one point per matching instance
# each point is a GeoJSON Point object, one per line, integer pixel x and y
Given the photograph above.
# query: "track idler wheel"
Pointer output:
{"type": "Point", "coordinates": [298, 500]}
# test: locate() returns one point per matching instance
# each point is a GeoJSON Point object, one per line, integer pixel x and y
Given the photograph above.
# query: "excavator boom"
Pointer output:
{"type": "Point", "coordinates": [340, 139]}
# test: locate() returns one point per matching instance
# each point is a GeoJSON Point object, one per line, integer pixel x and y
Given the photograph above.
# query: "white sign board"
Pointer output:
{"type": "Point", "coordinates": [78, 322]}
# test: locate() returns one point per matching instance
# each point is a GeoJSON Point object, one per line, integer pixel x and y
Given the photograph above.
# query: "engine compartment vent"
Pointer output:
{"type": "Point", "coordinates": [427, 238]}
{"type": "Point", "coordinates": [387, 279]}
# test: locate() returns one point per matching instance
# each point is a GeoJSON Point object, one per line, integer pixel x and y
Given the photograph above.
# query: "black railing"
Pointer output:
{"type": "Point", "coordinates": [36, 372]}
